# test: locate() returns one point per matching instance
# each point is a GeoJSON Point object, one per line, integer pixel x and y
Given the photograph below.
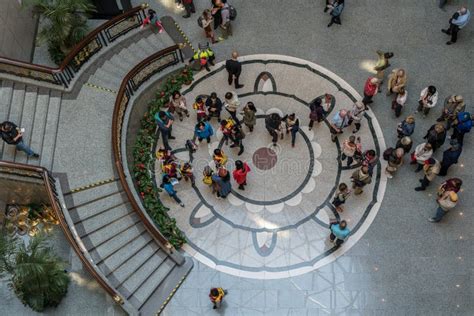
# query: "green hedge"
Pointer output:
{"type": "Point", "coordinates": [144, 160]}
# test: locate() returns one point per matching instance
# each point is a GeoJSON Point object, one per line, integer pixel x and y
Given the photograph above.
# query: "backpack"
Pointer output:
{"type": "Point", "coordinates": [387, 153]}
{"type": "Point", "coordinates": [232, 13]}
{"type": "Point", "coordinates": [464, 122]}
{"type": "Point", "coordinates": [207, 179]}
{"type": "Point", "coordinates": [199, 21]}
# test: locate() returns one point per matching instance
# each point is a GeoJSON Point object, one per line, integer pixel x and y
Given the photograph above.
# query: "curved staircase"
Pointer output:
{"type": "Point", "coordinates": [72, 133]}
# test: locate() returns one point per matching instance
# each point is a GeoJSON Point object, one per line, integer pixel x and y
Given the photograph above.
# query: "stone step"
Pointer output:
{"type": "Point", "coordinates": [109, 231]}
{"type": "Point", "coordinates": [130, 270]}
{"type": "Point", "coordinates": [102, 252]}
{"type": "Point", "coordinates": [6, 94]}
{"type": "Point", "coordinates": [162, 40]}
{"type": "Point", "coordinates": [123, 62]}
{"type": "Point", "coordinates": [123, 255]}
{"type": "Point", "coordinates": [103, 218]}
{"type": "Point", "coordinates": [81, 197]}
{"type": "Point", "coordinates": [113, 70]}
{"type": "Point", "coordinates": [27, 120]}
{"type": "Point", "coordinates": [106, 80]}
{"type": "Point", "coordinates": [16, 109]}
{"type": "Point", "coordinates": [95, 205]}
{"type": "Point", "coordinates": [51, 130]}
{"type": "Point", "coordinates": [128, 58]}
{"type": "Point", "coordinates": [39, 126]}
{"type": "Point", "coordinates": [144, 46]}
{"type": "Point", "coordinates": [152, 282]}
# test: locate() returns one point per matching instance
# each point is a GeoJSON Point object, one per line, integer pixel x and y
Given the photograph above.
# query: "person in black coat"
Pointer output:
{"type": "Point", "coordinates": [214, 107]}
{"type": "Point", "coordinates": [450, 157]}
{"type": "Point", "coordinates": [436, 136]}
{"type": "Point", "coordinates": [272, 124]}
{"type": "Point", "coordinates": [234, 68]}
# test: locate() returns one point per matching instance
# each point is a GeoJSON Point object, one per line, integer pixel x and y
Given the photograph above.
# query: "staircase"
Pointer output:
{"type": "Point", "coordinates": [72, 133]}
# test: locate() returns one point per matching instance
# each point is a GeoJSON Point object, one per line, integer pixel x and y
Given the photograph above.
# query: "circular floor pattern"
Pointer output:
{"type": "Point", "coordinates": [278, 226]}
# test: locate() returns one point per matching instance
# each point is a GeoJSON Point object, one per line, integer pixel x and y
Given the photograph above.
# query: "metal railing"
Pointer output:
{"type": "Point", "coordinates": [50, 186]}
{"type": "Point", "coordinates": [131, 83]}
{"type": "Point", "coordinates": [94, 42]}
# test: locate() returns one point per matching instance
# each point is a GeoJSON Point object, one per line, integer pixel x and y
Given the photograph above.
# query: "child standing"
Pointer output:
{"type": "Point", "coordinates": [168, 186]}
{"type": "Point", "coordinates": [152, 18]}
{"type": "Point", "coordinates": [240, 174]}
{"type": "Point", "coordinates": [341, 196]}
{"type": "Point", "coordinates": [200, 108]}
{"type": "Point", "coordinates": [186, 171]}
{"type": "Point", "coordinates": [219, 158]}
{"type": "Point", "coordinates": [217, 295]}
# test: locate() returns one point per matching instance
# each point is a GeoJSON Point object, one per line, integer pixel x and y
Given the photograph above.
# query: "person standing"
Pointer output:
{"type": "Point", "coordinates": [178, 104]}
{"type": "Point", "coordinates": [317, 112]}
{"type": "Point", "coordinates": [360, 178]}
{"type": "Point", "coordinates": [292, 126]}
{"type": "Point", "coordinates": [453, 184]}
{"type": "Point", "coordinates": [226, 25]}
{"type": "Point", "coordinates": [396, 80]}
{"type": "Point", "coordinates": [450, 157]}
{"type": "Point", "coordinates": [370, 159]}
{"type": "Point", "coordinates": [339, 121]}
{"type": "Point", "coordinates": [165, 120]}
{"type": "Point", "coordinates": [382, 64]}
{"type": "Point", "coordinates": [371, 88]}
{"type": "Point", "coordinates": [395, 161]}
{"type": "Point", "coordinates": [168, 186]}
{"type": "Point", "coordinates": [186, 171]}
{"type": "Point", "coordinates": [339, 233]}
{"type": "Point", "coordinates": [189, 7]}
{"type": "Point", "coordinates": [336, 11]}
{"type": "Point", "coordinates": [214, 107]}
{"type": "Point", "coordinates": [207, 20]}
{"type": "Point", "coordinates": [240, 174]}
{"type": "Point", "coordinates": [405, 143]}
{"type": "Point", "coordinates": [203, 130]}
{"type": "Point", "coordinates": [222, 184]}
{"type": "Point", "coordinates": [356, 115]}
{"type": "Point", "coordinates": [399, 102]}
{"type": "Point", "coordinates": [272, 124]}
{"type": "Point", "coordinates": [219, 158]}
{"type": "Point", "coordinates": [446, 202]}
{"type": "Point", "coordinates": [422, 153]}
{"type": "Point", "coordinates": [428, 100]}
{"type": "Point", "coordinates": [200, 108]}
{"type": "Point", "coordinates": [204, 57]}
{"type": "Point", "coordinates": [249, 114]}
{"type": "Point", "coordinates": [13, 135]}
{"type": "Point", "coordinates": [431, 169]}
{"type": "Point", "coordinates": [234, 68]}
{"type": "Point", "coordinates": [453, 105]}
{"type": "Point", "coordinates": [406, 127]}
{"type": "Point", "coordinates": [436, 136]}
{"type": "Point", "coordinates": [341, 196]}
{"type": "Point", "coordinates": [351, 147]}
{"type": "Point", "coordinates": [232, 104]}
{"type": "Point", "coordinates": [458, 21]}
{"type": "Point", "coordinates": [461, 126]}
{"type": "Point", "coordinates": [237, 136]}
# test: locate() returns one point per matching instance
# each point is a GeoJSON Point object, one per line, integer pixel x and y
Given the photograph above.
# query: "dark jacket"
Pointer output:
{"type": "Point", "coordinates": [9, 135]}
{"type": "Point", "coordinates": [233, 66]}
{"type": "Point", "coordinates": [406, 148]}
{"type": "Point", "coordinates": [217, 105]}
{"type": "Point", "coordinates": [451, 156]}
{"type": "Point", "coordinates": [435, 139]}
{"type": "Point", "coordinates": [273, 121]}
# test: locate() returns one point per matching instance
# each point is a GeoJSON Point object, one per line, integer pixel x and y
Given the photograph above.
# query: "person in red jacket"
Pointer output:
{"type": "Point", "coordinates": [240, 174]}
{"type": "Point", "coordinates": [370, 89]}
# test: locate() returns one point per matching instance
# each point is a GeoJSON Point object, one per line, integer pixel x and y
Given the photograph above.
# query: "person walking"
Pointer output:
{"type": "Point", "coordinates": [186, 171]}
{"type": "Point", "coordinates": [339, 233]}
{"type": "Point", "coordinates": [422, 153]}
{"type": "Point", "coordinates": [396, 80]}
{"type": "Point", "coordinates": [461, 126]}
{"type": "Point", "coordinates": [272, 124]}
{"type": "Point", "coordinates": [399, 102]}
{"type": "Point", "coordinates": [360, 178]}
{"type": "Point", "coordinates": [428, 100]}
{"type": "Point", "coordinates": [234, 68]}
{"type": "Point", "coordinates": [165, 120]}
{"type": "Point", "coordinates": [240, 173]}
{"type": "Point", "coordinates": [405, 143]}
{"type": "Point", "coordinates": [446, 202]}
{"type": "Point", "coordinates": [395, 161]}
{"type": "Point", "coordinates": [219, 158]}
{"type": "Point", "coordinates": [152, 19]}
{"type": "Point", "coordinates": [13, 135]}
{"type": "Point", "coordinates": [292, 124]}
{"type": "Point", "coordinates": [458, 21]}
{"type": "Point", "coordinates": [340, 197]}
{"type": "Point", "coordinates": [381, 65]}
{"type": "Point", "coordinates": [189, 7]}
{"type": "Point", "coordinates": [232, 104]}
{"type": "Point", "coordinates": [339, 121]}
{"type": "Point", "coordinates": [370, 159]}
{"type": "Point", "coordinates": [169, 188]}
{"type": "Point", "coordinates": [356, 115]}
{"type": "Point", "coordinates": [214, 107]}
{"type": "Point", "coordinates": [406, 127]}
{"type": "Point", "coordinates": [336, 11]}
{"type": "Point", "coordinates": [203, 130]}
{"type": "Point", "coordinates": [317, 111]}
{"type": "Point", "coordinates": [207, 21]}
{"type": "Point", "coordinates": [221, 182]}
{"type": "Point", "coordinates": [216, 295]}
{"type": "Point", "coordinates": [436, 136]}
{"type": "Point", "coordinates": [453, 105]}
{"type": "Point", "coordinates": [226, 25]}
{"type": "Point", "coordinates": [237, 136]}
{"type": "Point", "coordinates": [371, 88]}
{"type": "Point", "coordinates": [431, 169]}
{"type": "Point", "coordinates": [178, 105]}
{"type": "Point", "coordinates": [351, 148]}
{"type": "Point", "coordinates": [249, 112]}
{"type": "Point", "coordinates": [450, 157]}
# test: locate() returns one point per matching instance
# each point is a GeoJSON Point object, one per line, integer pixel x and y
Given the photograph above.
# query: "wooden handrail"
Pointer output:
{"type": "Point", "coordinates": [44, 173]}
{"type": "Point", "coordinates": [116, 144]}
{"type": "Point", "coordinates": [76, 49]}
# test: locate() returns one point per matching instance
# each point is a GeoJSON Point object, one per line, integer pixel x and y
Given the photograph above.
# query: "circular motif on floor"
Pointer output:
{"type": "Point", "coordinates": [264, 158]}
{"type": "Point", "coordinates": [279, 225]}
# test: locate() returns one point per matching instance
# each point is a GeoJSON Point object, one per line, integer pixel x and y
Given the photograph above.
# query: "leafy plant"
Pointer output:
{"type": "Point", "coordinates": [35, 273]}
{"type": "Point", "coordinates": [66, 24]}
{"type": "Point", "coordinates": [144, 159]}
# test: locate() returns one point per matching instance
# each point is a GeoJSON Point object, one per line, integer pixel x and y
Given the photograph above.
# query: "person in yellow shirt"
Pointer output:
{"type": "Point", "coordinates": [217, 295]}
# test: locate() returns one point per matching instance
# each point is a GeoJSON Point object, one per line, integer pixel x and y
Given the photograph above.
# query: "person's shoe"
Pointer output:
{"type": "Point", "coordinates": [181, 204]}
{"type": "Point", "coordinates": [389, 175]}
{"type": "Point", "coordinates": [239, 86]}
{"type": "Point", "coordinates": [420, 189]}
{"type": "Point", "coordinates": [171, 137]}
{"type": "Point", "coordinates": [233, 146]}
{"type": "Point", "coordinates": [355, 131]}
{"type": "Point", "coordinates": [420, 180]}
{"type": "Point", "coordinates": [241, 151]}
{"type": "Point", "coordinates": [416, 111]}
{"type": "Point", "coordinates": [329, 25]}
{"type": "Point", "coordinates": [220, 38]}
{"type": "Point", "coordinates": [310, 128]}
{"type": "Point", "coordinates": [180, 119]}
{"type": "Point", "coordinates": [187, 115]}
{"type": "Point", "coordinates": [35, 156]}
{"type": "Point", "coordinates": [293, 145]}
{"type": "Point", "coordinates": [439, 120]}
{"type": "Point", "coordinates": [432, 219]}
{"type": "Point", "coordinates": [186, 16]}
{"type": "Point", "coordinates": [241, 187]}
{"type": "Point", "coordinates": [445, 31]}
{"type": "Point", "coordinates": [214, 307]}
{"type": "Point", "coordinates": [274, 144]}
{"type": "Point", "coordinates": [449, 43]}
{"type": "Point", "coordinates": [418, 170]}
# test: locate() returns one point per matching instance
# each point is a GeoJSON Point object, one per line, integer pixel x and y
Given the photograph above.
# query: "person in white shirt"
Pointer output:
{"type": "Point", "coordinates": [399, 102]}
{"type": "Point", "coordinates": [428, 100]}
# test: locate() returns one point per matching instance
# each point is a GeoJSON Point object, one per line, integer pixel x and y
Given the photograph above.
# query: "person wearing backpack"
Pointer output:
{"type": "Point", "coordinates": [461, 126]}
{"type": "Point", "coordinates": [226, 25]}
{"type": "Point", "coordinates": [336, 12]}
{"type": "Point", "coordinates": [165, 120]}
